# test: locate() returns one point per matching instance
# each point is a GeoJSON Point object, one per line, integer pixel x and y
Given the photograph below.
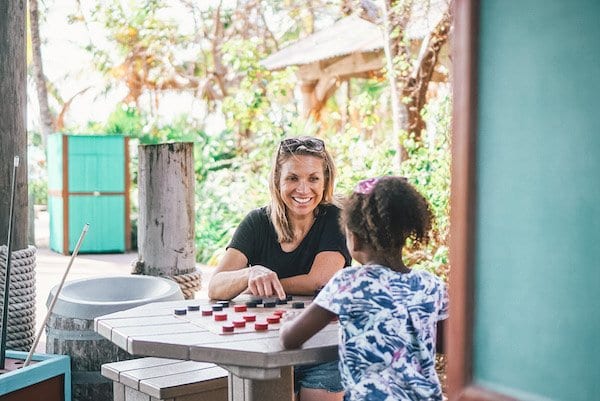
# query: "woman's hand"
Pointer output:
{"type": "Point", "coordinates": [264, 282]}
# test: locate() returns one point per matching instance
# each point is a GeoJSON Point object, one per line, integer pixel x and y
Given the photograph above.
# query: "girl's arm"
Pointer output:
{"type": "Point", "coordinates": [295, 333]}
{"type": "Point", "coordinates": [326, 264]}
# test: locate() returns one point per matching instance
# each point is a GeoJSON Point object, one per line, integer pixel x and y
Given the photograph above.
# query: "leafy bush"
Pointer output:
{"type": "Point", "coordinates": [428, 168]}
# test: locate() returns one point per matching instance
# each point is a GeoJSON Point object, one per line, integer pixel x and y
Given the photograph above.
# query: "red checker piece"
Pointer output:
{"type": "Point", "coordinates": [219, 317]}
{"type": "Point", "coordinates": [279, 312]}
{"type": "Point", "coordinates": [261, 326]}
{"type": "Point", "coordinates": [227, 328]}
{"type": "Point", "coordinates": [207, 312]}
{"type": "Point", "coordinates": [240, 308]}
{"type": "Point", "coordinates": [250, 317]}
{"type": "Point", "coordinates": [239, 323]}
{"type": "Point", "coordinates": [273, 319]}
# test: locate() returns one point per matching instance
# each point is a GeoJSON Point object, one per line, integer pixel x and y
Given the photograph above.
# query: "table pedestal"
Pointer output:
{"type": "Point", "coordinates": [273, 389]}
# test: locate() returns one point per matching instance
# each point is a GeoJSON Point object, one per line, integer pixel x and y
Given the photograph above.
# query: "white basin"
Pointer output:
{"type": "Point", "coordinates": [92, 297]}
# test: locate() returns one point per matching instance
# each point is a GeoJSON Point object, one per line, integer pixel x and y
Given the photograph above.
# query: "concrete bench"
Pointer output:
{"type": "Point", "coordinates": [160, 379]}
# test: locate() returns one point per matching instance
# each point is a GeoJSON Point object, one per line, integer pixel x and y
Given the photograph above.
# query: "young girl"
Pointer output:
{"type": "Point", "coordinates": [388, 313]}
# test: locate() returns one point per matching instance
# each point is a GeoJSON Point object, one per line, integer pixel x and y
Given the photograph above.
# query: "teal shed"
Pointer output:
{"type": "Point", "coordinates": [88, 182]}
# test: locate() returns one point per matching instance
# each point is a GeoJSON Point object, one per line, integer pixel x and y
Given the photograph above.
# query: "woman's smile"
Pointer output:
{"type": "Point", "coordinates": [302, 184]}
{"type": "Point", "coordinates": [301, 200]}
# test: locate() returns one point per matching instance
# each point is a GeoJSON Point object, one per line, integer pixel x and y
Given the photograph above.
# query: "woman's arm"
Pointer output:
{"type": "Point", "coordinates": [295, 333]}
{"type": "Point", "coordinates": [326, 264]}
{"type": "Point", "coordinates": [232, 277]}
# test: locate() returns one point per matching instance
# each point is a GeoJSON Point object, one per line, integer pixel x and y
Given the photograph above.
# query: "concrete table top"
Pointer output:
{"type": "Point", "coordinates": [259, 367]}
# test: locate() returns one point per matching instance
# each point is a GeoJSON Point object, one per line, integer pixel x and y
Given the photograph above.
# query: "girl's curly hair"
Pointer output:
{"type": "Point", "coordinates": [385, 212]}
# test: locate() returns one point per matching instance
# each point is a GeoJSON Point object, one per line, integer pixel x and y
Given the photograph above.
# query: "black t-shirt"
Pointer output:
{"type": "Point", "coordinates": [255, 237]}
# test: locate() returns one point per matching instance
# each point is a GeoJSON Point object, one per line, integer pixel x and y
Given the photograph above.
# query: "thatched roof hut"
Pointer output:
{"type": "Point", "coordinates": [350, 48]}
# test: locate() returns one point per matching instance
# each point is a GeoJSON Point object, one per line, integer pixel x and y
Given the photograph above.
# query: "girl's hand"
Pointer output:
{"type": "Point", "coordinates": [290, 315]}
{"type": "Point", "coordinates": [298, 329]}
{"type": "Point", "coordinates": [264, 282]}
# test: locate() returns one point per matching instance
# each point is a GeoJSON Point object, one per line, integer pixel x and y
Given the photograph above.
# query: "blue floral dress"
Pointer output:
{"type": "Point", "coordinates": [388, 328]}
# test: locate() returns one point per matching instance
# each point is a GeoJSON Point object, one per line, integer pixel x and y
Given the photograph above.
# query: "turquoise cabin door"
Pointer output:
{"type": "Point", "coordinates": [89, 183]}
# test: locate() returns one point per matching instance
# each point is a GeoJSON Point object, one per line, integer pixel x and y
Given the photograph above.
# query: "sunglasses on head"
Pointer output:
{"type": "Point", "coordinates": [291, 145]}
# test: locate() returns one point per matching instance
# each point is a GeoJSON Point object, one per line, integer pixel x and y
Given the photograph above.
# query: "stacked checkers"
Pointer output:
{"type": "Point", "coordinates": [260, 326]}
{"type": "Point", "coordinates": [220, 317]}
{"type": "Point", "coordinates": [274, 319]}
{"type": "Point", "coordinates": [249, 317]}
{"type": "Point", "coordinates": [239, 323]}
{"type": "Point", "coordinates": [240, 318]}
{"type": "Point", "coordinates": [240, 308]}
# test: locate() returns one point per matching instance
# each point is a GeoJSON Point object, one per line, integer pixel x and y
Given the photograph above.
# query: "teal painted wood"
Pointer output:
{"type": "Point", "coordinates": [96, 163]}
{"type": "Point", "coordinates": [49, 366]}
{"type": "Point", "coordinates": [55, 212]}
{"type": "Point", "coordinates": [538, 217]}
{"type": "Point", "coordinates": [106, 216]}
{"type": "Point", "coordinates": [95, 167]}
{"type": "Point", "coordinates": [54, 161]}
{"type": "Point", "coordinates": [55, 177]}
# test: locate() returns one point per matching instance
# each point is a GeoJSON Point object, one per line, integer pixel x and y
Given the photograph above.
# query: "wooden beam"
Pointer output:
{"type": "Point", "coordinates": [13, 134]}
{"type": "Point", "coordinates": [355, 63]}
{"type": "Point", "coordinates": [462, 200]}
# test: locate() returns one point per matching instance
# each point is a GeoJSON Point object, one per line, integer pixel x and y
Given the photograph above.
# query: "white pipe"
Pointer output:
{"type": "Point", "coordinates": [51, 307]}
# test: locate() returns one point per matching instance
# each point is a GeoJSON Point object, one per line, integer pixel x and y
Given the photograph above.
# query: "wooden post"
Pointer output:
{"type": "Point", "coordinates": [13, 135]}
{"type": "Point", "coordinates": [166, 211]}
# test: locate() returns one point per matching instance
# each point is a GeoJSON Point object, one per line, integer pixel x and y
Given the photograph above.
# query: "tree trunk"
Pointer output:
{"type": "Point", "coordinates": [166, 210]}
{"type": "Point", "coordinates": [398, 113]}
{"type": "Point", "coordinates": [38, 72]}
{"type": "Point", "coordinates": [415, 88]}
{"type": "Point", "coordinates": [13, 134]}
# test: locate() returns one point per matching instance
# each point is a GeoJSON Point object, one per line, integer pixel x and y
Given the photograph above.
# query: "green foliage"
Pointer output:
{"type": "Point", "coordinates": [263, 101]}
{"type": "Point", "coordinates": [39, 190]}
{"type": "Point", "coordinates": [428, 168]}
{"type": "Point", "coordinates": [125, 120]}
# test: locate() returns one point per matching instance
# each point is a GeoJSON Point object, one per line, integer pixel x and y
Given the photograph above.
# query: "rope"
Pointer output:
{"type": "Point", "coordinates": [189, 283]}
{"type": "Point", "coordinates": [21, 306]}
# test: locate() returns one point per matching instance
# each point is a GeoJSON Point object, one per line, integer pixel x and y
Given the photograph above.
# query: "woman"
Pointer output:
{"type": "Point", "coordinates": [292, 246]}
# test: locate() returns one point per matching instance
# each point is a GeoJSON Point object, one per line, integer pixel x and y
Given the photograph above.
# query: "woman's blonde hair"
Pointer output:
{"type": "Point", "coordinates": [300, 146]}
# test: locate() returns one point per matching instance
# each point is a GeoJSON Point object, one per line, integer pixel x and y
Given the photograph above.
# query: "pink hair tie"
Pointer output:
{"type": "Point", "coordinates": [365, 187]}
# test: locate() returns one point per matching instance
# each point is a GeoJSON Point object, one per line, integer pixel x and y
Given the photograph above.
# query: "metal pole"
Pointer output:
{"type": "Point", "coordinates": [60, 286]}
{"type": "Point", "coordinates": [7, 272]}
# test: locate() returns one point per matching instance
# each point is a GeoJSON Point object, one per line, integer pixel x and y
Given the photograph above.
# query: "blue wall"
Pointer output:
{"type": "Point", "coordinates": [537, 313]}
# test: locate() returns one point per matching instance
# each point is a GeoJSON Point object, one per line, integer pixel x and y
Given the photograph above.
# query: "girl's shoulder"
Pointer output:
{"type": "Point", "coordinates": [427, 276]}
{"type": "Point", "coordinates": [362, 273]}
